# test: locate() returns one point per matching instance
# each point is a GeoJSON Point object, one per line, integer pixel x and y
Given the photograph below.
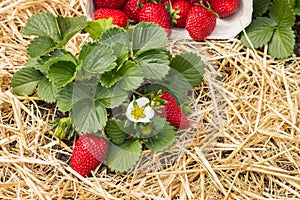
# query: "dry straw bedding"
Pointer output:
{"type": "Point", "coordinates": [245, 141]}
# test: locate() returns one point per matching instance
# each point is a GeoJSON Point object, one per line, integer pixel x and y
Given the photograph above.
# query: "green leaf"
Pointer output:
{"type": "Point", "coordinates": [190, 66]}
{"type": "Point", "coordinates": [154, 64]}
{"type": "Point", "coordinates": [114, 132]}
{"type": "Point", "coordinates": [26, 80]}
{"type": "Point", "coordinates": [110, 78]}
{"type": "Point", "coordinates": [282, 13]}
{"type": "Point", "coordinates": [100, 59]}
{"type": "Point", "coordinates": [88, 116]}
{"type": "Point", "coordinates": [282, 43]}
{"type": "Point", "coordinates": [97, 27]}
{"type": "Point", "coordinates": [260, 7]}
{"type": "Point", "coordinates": [69, 27]}
{"type": "Point", "coordinates": [40, 46]}
{"type": "Point", "coordinates": [61, 73]}
{"type": "Point", "coordinates": [110, 97]}
{"type": "Point", "coordinates": [163, 140]}
{"type": "Point", "coordinates": [124, 157]}
{"type": "Point", "coordinates": [86, 49]}
{"type": "Point", "coordinates": [64, 98]}
{"type": "Point", "coordinates": [44, 62]}
{"type": "Point", "coordinates": [42, 24]}
{"type": "Point", "coordinates": [129, 76]}
{"type": "Point", "coordinates": [297, 7]}
{"type": "Point", "coordinates": [260, 32]}
{"type": "Point", "coordinates": [47, 91]}
{"type": "Point", "coordinates": [115, 35]}
{"type": "Point", "coordinates": [121, 52]}
{"type": "Point", "coordinates": [147, 36]}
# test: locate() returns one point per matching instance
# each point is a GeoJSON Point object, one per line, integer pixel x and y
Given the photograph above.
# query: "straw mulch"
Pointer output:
{"type": "Point", "coordinates": [245, 142]}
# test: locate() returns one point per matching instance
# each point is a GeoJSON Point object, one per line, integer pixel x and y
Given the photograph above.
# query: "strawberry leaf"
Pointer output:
{"type": "Point", "coordinates": [26, 80]}
{"type": "Point", "coordinates": [282, 43]}
{"type": "Point", "coordinates": [88, 116]}
{"type": "Point", "coordinates": [115, 35]}
{"type": "Point", "coordinates": [47, 91]}
{"type": "Point", "coordinates": [146, 36]}
{"type": "Point", "coordinates": [163, 140]}
{"type": "Point", "coordinates": [190, 66]}
{"type": "Point", "coordinates": [100, 59]}
{"type": "Point", "coordinates": [42, 24]}
{"type": "Point", "coordinates": [40, 46]}
{"type": "Point", "coordinates": [124, 157]}
{"type": "Point", "coordinates": [282, 13]}
{"type": "Point", "coordinates": [64, 98]}
{"type": "Point", "coordinates": [154, 64]}
{"type": "Point", "coordinates": [97, 27]}
{"type": "Point", "coordinates": [61, 73]}
{"type": "Point", "coordinates": [69, 27]}
{"type": "Point", "coordinates": [114, 131]}
{"type": "Point", "coordinates": [259, 32]}
{"type": "Point", "coordinates": [260, 7]}
{"type": "Point", "coordinates": [128, 77]}
{"type": "Point", "coordinates": [110, 97]}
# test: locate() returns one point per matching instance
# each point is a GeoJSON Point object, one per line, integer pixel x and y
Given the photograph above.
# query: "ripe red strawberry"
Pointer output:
{"type": "Point", "coordinates": [157, 13]}
{"type": "Point", "coordinates": [165, 2]}
{"type": "Point", "coordinates": [118, 16]}
{"type": "Point", "coordinates": [181, 8]}
{"type": "Point", "coordinates": [131, 9]}
{"type": "Point", "coordinates": [115, 4]}
{"type": "Point", "coordinates": [224, 8]}
{"type": "Point", "coordinates": [200, 22]}
{"type": "Point", "coordinates": [88, 153]}
{"type": "Point", "coordinates": [193, 2]}
{"type": "Point", "coordinates": [173, 113]}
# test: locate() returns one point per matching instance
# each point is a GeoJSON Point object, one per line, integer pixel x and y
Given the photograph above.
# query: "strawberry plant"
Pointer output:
{"type": "Point", "coordinates": [272, 25]}
{"type": "Point", "coordinates": [114, 88]}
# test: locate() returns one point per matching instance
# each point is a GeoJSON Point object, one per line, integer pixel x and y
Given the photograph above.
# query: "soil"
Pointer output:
{"type": "Point", "coordinates": [297, 33]}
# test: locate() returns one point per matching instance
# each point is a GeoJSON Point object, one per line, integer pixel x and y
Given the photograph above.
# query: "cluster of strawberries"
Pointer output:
{"type": "Point", "coordinates": [197, 16]}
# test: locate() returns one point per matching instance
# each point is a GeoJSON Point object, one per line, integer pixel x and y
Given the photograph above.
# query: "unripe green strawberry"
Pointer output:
{"type": "Point", "coordinates": [88, 153]}
{"type": "Point", "coordinates": [224, 8]}
{"type": "Point", "coordinates": [119, 18]}
{"type": "Point", "coordinates": [172, 112]}
{"type": "Point", "coordinates": [157, 13]}
{"type": "Point", "coordinates": [200, 22]}
{"type": "Point", "coordinates": [115, 4]}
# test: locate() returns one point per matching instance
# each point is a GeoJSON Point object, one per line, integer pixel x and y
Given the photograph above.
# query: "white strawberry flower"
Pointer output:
{"type": "Point", "coordinates": [139, 110]}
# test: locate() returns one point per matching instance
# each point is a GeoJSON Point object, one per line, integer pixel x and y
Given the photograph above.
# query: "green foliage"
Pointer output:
{"type": "Point", "coordinates": [94, 87]}
{"type": "Point", "coordinates": [123, 157]}
{"type": "Point", "coordinates": [275, 30]}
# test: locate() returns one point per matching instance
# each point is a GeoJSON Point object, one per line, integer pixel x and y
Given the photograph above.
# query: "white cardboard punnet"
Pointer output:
{"type": "Point", "coordinates": [226, 28]}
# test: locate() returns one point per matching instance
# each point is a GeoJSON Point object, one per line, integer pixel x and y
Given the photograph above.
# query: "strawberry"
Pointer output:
{"type": "Point", "coordinates": [118, 16]}
{"type": "Point", "coordinates": [157, 13]}
{"type": "Point", "coordinates": [166, 2]}
{"type": "Point", "coordinates": [224, 8]}
{"type": "Point", "coordinates": [171, 111]}
{"type": "Point", "coordinates": [131, 9]}
{"type": "Point", "coordinates": [200, 22]}
{"type": "Point", "coordinates": [181, 8]}
{"type": "Point", "coordinates": [204, 2]}
{"type": "Point", "coordinates": [88, 153]}
{"type": "Point", "coordinates": [114, 4]}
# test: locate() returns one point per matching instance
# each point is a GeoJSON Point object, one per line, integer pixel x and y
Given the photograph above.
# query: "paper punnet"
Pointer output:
{"type": "Point", "coordinates": [226, 28]}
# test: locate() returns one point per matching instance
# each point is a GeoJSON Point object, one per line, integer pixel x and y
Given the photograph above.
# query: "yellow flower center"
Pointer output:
{"type": "Point", "coordinates": [138, 113]}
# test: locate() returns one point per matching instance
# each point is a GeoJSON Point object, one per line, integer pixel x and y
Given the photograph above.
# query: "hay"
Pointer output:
{"type": "Point", "coordinates": [246, 145]}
